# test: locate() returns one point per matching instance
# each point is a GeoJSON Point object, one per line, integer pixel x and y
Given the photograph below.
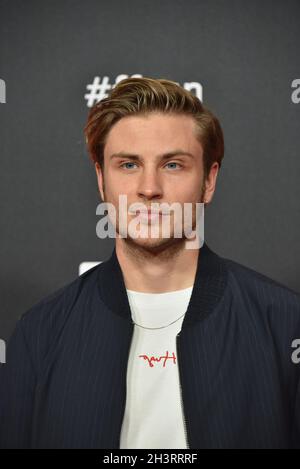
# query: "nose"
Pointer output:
{"type": "Point", "coordinates": [149, 185]}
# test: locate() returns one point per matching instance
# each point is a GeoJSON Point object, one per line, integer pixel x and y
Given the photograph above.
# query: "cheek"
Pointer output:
{"type": "Point", "coordinates": [186, 191]}
{"type": "Point", "coordinates": [116, 185]}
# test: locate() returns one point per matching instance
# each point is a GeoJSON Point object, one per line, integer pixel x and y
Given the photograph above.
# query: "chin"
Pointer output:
{"type": "Point", "coordinates": [154, 244]}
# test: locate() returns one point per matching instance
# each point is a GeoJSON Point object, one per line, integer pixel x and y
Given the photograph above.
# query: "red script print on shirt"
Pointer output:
{"type": "Point", "coordinates": [154, 359]}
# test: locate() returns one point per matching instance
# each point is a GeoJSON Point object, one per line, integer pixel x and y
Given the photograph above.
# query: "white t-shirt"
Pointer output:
{"type": "Point", "coordinates": [153, 415]}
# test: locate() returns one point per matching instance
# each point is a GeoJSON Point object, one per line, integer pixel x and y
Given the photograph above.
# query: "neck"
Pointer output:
{"type": "Point", "coordinates": [157, 269]}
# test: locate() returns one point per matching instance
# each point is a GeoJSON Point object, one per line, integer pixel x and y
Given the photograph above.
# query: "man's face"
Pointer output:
{"type": "Point", "coordinates": [149, 177]}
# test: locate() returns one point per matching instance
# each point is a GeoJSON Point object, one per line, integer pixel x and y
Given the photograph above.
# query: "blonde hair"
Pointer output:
{"type": "Point", "coordinates": [141, 96]}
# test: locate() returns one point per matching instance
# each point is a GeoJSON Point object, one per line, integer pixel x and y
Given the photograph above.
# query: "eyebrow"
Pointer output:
{"type": "Point", "coordinates": [163, 157]}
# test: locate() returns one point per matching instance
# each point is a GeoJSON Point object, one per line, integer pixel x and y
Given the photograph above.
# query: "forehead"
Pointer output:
{"type": "Point", "coordinates": [155, 132]}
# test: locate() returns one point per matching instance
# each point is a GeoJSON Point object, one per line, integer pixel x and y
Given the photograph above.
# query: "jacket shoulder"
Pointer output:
{"type": "Point", "coordinates": [261, 290]}
{"type": "Point", "coordinates": [43, 322]}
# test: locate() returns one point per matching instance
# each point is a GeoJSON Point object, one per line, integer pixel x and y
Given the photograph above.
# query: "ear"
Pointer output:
{"type": "Point", "coordinates": [99, 179]}
{"type": "Point", "coordinates": [210, 183]}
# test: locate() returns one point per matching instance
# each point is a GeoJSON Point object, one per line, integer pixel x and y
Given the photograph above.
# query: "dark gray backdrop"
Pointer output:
{"type": "Point", "coordinates": [245, 55]}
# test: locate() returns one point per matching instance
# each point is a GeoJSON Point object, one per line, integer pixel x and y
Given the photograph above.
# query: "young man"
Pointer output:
{"type": "Point", "coordinates": [161, 345]}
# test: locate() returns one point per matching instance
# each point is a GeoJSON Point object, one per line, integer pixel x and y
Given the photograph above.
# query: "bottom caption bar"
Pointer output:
{"type": "Point", "coordinates": [135, 457]}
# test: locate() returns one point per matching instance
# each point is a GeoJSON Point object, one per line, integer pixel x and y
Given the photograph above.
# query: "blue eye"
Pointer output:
{"type": "Point", "coordinates": [128, 162]}
{"type": "Point", "coordinates": [174, 162]}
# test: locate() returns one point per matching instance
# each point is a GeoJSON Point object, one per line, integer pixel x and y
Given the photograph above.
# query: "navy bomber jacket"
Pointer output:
{"type": "Point", "coordinates": [64, 381]}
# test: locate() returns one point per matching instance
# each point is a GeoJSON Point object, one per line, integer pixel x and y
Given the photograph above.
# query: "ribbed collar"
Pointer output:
{"type": "Point", "coordinates": [209, 286]}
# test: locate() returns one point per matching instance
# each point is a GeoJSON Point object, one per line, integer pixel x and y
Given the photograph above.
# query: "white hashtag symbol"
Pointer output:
{"type": "Point", "coordinates": [97, 90]}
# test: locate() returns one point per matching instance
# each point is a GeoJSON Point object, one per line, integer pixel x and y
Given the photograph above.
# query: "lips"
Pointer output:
{"type": "Point", "coordinates": [152, 212]}
{"type": "Point", "coordinates": [149, 212]}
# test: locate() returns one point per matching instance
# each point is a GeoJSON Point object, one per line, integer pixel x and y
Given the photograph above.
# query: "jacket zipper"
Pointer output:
{"type": "Point", "coordinates": [181, 399]}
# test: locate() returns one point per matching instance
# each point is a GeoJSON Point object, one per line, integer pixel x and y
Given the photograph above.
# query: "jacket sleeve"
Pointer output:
{"type": "Point", "coordinates": [296, 415]}
{"type": "Point", "coordinates": [296, 423]}
{"type": "Point", "coordinates": [17, 388]}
